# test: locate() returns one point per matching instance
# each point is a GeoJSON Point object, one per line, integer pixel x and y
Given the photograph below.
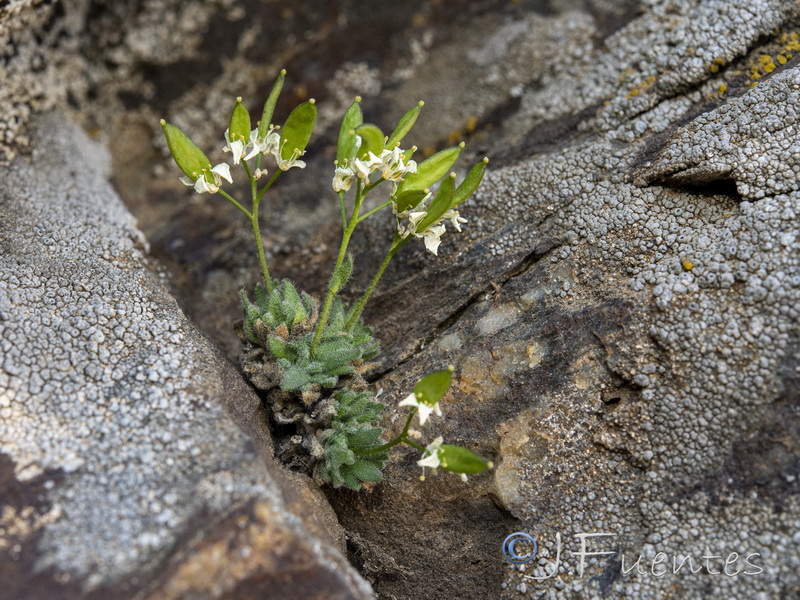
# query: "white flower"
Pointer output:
{"type": "Point", "coordinates": [342, 179]}
{"type": "Point", "coordinates": [364, 168]}
{"type": "Point", "coordinates": [201, 184]}
{"type": "Point", "coordinates": [414, 217]}
{"type": "Point", "coordinates": [235, 147]}
{"type": "Point", "coordinates": [432, 236]}
{"type": "Point", "coordinates": [431, 457]}
{"type": "Point", "coordinates": [284, 164]}
{"type": "Point", "coordinates": [455, 218]}
{"type": "Point", "coordinates": [262, 145]}
{"type": "Point", "coordinates": [425, 410]}
{"type": "Point", "coordinates": [392, 166]}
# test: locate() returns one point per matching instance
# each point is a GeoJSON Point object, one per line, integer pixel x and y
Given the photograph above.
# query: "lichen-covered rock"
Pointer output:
{"type": "Point", "coordinates": [628, 353]}
{"type": "Point", "coordinates": [741, 141]}
{"type": "Point", "coordinates": [622, 317]}
{"type": "Point", "coordinates": [122, 473]}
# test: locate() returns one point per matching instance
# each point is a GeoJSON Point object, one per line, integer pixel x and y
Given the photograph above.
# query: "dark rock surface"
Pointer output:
{"type": "Point", "coordinates": [621, 309]}
{"type": "Point", "coordinates": [122, 468]}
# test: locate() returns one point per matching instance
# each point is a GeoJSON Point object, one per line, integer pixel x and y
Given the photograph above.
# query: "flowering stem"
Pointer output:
{"type": "Point", "coordinates": [374, 210]}
{"type": "Point", "coordinates": [341, 206]}
{"type": "Point", "coordinates": [356, 312]}
{"type": "Point", "coordinates": [262, 259]}
{"type": "Point", "coordinates": [400, 438]}
{"type": "Point", "coordinates": [235, 203]}
{"type": "Point", "coordinates": [326, 309]}
{"type": "Point", "coordinates": [260, 248]}
{"type": "Point", "coordinates": [268, 185]}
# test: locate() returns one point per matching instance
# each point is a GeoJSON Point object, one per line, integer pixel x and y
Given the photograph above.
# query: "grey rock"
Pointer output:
{"type": "Point", "coordinates": [123, 470]}
{"type": "Point", "coordinates": [622, 319]}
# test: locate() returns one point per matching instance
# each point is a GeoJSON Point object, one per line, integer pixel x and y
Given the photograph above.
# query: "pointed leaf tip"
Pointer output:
{"type": "Point", "coordinates": [471, 182]}
{"type": "Point", "coordinates": [269, 105]}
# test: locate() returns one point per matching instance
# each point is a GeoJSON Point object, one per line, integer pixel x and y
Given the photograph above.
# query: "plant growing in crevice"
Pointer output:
{"type": "Point", "coordinates": [309, 355]}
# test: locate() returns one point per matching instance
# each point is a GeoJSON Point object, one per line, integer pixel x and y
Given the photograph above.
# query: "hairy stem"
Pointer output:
{"type": "Point", "coordinates": [326, 308]}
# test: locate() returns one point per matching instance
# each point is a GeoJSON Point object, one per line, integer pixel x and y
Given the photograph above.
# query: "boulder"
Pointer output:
{"type": "Point", "coordinates": [134, 460]}
{"type": "Point", "coordinates": [621, 308]}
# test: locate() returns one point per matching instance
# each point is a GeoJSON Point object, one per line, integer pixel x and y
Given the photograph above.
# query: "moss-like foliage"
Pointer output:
{"type": "Point", "coordinates": [282, 323]}
{"type": "Point", "coordinates": [283, 307]}
{"type": "Point", "coordinates": [350, 442]}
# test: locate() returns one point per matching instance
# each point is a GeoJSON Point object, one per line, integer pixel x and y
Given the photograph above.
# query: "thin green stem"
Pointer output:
{"type": "Point", "coordinates": [415, 445]}
{"type": "Point", "coordinates": [235, 203]}
{"type": "Point", "coordinates": [249, 173]}
{"type": "Point", "coordinates": [400, 438]}
{"type": "Point", "coordinates": [374, 210]}
{"type": "Point", "coordinates": [262, 258]}
{"type": "Point", "coordinates": [326, 308]}
{"type": "Point", "coordinates": [269, 185]}
{"type": "Point", "coordinates": [344, 213]}
{"type": "Point", "coordinates": [359, 307]}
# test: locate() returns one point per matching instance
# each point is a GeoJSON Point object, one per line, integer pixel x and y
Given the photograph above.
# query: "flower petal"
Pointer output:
{"type": "Point", "coordinates": [224, 171]}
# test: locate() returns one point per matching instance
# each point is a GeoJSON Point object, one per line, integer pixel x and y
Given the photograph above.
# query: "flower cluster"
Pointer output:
{"type": "Point", "coordinates": [391, 163]}
{"type": "Point", "coordinates": [255, 145]}
{"type": "Point", "coordinates": [307, 354]}
{"type": "Point", "coordinates": [431, 234]}
{"type": "Point", "coordinates": [424, 401]}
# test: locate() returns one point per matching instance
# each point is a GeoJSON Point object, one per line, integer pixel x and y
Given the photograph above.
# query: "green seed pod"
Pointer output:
{"type": "Point", "coordinates": [433, 386]}
{"type": "Point", "coordinates": [440, 203]}
{"type": "Point", "coordinates": [239, 125]}
{"type": "Point", "coordinates": [187, 155]}
{"type": "Point", "coordinates": [348, 142]}
{"type": "Point", "coordinates": [371, 140]}
{"type": "Point", "coordinates": [460, 460]}
{"type": "Point", "coordinates": [471, 182]}
{"type": "Point", "coordinates": [404, 125]}
{"type": "Point", "coordinates": [269, 105]}
{"type": "Point", "coordinates": [430, 170]}
{"type": "Point", "coordinates": [409, 199]}
{"type": "Point", "coordinates": [297, 130]}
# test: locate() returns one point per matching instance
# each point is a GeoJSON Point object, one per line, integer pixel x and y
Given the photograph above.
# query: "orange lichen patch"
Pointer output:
{"type": "Point", "coordinates": [790, 41]}
{"type": "Point", "coordinates": [716, 64]}
{"type": "Point", "coordinates": [641, 87]}
{"type": "Point", "coordinates": [767, 63]}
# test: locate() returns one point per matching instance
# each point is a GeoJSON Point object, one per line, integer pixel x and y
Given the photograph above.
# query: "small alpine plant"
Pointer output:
{"type": "Point", "coordinates": [307, 354]}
